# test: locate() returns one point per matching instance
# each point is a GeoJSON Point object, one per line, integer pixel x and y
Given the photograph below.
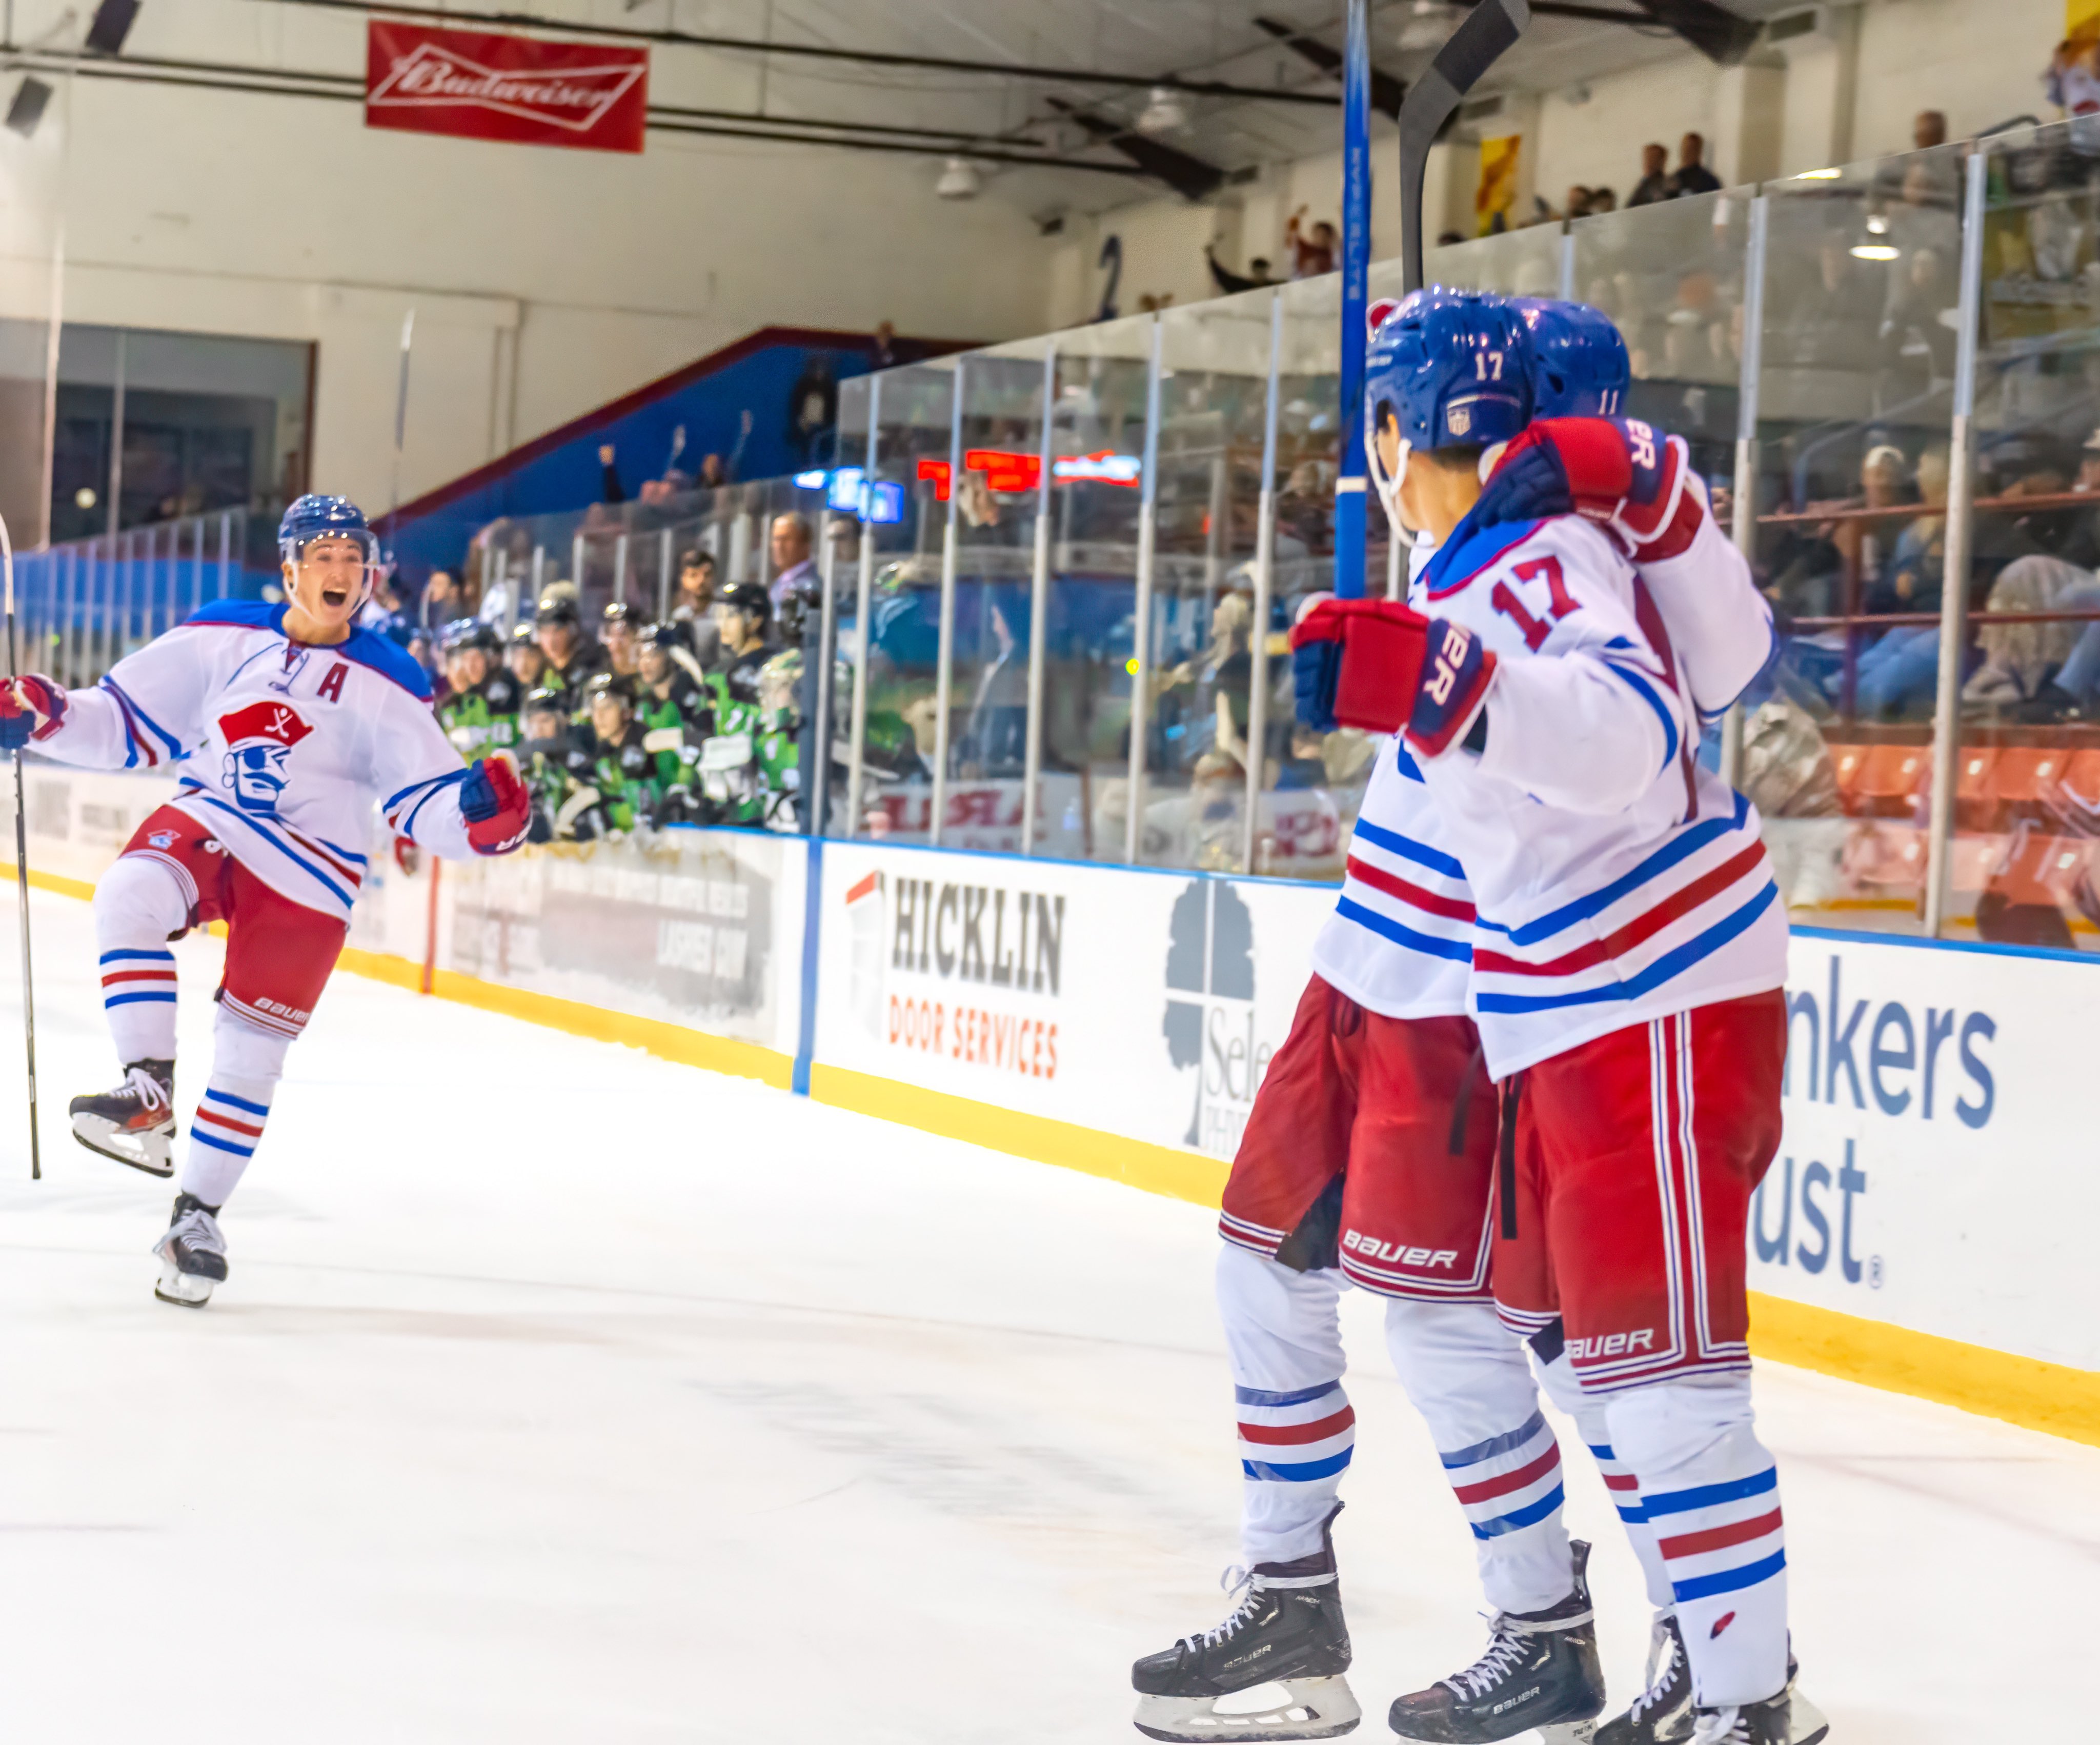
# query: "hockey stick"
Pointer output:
{"type": "Point", "coordinates": [22, 864]}
{"type": "Point", "coordinates": [1478, 43]}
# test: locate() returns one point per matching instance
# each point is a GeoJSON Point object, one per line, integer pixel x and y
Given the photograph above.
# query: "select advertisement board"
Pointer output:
{"type": "Point", "coordinates": [1145, 1004]}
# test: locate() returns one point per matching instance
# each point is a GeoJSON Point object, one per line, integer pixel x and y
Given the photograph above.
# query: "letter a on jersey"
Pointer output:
{"type": "Point", "coordinates": [258, 743]}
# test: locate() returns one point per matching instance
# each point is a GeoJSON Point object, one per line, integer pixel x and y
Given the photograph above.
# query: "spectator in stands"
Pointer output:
{"type": "Point", "coordinates": [1578, 201]}
{"type": "Point", "coordinates": [1692, 176]}
{"type": "Point", "coordinates": [695, 600]}
{"type": "Point", "coordinates": [994, 732]}
{"type": "Point", "coordinates": [793, 567]}
{"type": "Point", "coordinates": [1311, 250]}
{"type": "Point", "coordinates": [813, 410]}
{"type": "Point", "coordinates": [1603, 200]}
{"type": "Point", "coordinates": [1900, 671]}
{"type": "Point", "coordinates": [1654, 183]}
{"type": "Point", "coordinates": [382, 612]}
{"type": "Point", "coordinates": [610, 490]}
{"type": "Point", "coordinates": [657, 491]}
{"type": "Point", "coordinates": [1928, 129]}
{"type": "Point", "coordinates": [1230, 284]}
{"type": "Point", "coordinates": [882, 355]}
{"type": "Point", "coordinates": [444, 599]}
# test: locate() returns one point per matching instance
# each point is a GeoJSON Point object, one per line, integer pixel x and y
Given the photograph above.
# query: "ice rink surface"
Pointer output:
{"type": "Point", "coordinates": [561, 1393]}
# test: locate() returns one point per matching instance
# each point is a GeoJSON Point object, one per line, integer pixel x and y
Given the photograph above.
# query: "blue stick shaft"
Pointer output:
{"type": "Point", "coordinates": [1349, 506]}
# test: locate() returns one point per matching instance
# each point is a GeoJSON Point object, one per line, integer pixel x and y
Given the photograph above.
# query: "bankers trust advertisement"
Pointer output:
{"type": "Point", "coordinates": [1937, 1167]}
{"type": "Point", "coordinates": [1146, 1005]}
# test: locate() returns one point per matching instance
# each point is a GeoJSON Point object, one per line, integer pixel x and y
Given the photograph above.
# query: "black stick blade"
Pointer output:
{"type": "Point", "coordinates": [1481, 40]}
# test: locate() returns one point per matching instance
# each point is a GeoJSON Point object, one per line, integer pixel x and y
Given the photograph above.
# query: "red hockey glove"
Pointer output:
{"type": "Point", "coordinates": [31, 708]}
{"type": "Point", "coordinates": [496, 806]}
{"type": "Point", "coordinates": [1622, 472]}
{"type": "Point", "coordinates": [1384, 668]}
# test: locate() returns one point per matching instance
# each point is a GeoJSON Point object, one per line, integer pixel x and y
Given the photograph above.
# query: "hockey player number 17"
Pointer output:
{"type": "Point", "coordinates": [1560, 602]}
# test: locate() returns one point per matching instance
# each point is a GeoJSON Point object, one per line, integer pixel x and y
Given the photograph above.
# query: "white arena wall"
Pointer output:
{"type": "Point", "coordinates": [1924, 1228]}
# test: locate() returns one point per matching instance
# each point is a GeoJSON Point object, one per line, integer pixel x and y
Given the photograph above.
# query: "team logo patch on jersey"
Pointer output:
{"type": "Point", "coordinates": [259, 746]}
{"type": "Point", "coordinates": [161, 839]}
{"type": "Point", "coordinates": [1720, 1624]}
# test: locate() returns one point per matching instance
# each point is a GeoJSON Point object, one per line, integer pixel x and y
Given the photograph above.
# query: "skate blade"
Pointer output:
{"type": "Point", "coordinates": [1807, 1723]}
{"type": "Point", "coordinates": [1568, 1733]}
{"type": "Point", "coordinates": [1299, 1709]}
{"type": "Point", "coordinates": [151, 1151]}
{"type": "Point", "coordinates": [185, 1290]}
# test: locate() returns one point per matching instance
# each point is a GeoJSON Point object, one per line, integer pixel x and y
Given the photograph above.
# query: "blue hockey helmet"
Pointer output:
{"type": "Point", "coordinates": [1451, 369]}
{"type": "Point", "coordinates": [1580, 369]}
{"type": "Point", "coordinates": [313, 517]}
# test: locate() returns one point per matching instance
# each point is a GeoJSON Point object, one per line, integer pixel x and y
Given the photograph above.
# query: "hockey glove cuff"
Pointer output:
{"type": "Point", "coordinates": [1621, 472]}
{"type": "Point", "coordinates": [31, 708]}
{"type": "Point", "coordinates": [496, 806]}
{"type": "Point", "coordinates": [1384, 668]}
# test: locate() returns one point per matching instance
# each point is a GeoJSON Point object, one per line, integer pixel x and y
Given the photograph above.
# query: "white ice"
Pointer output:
{"type": "Point", "coordinates": [561, 1393]}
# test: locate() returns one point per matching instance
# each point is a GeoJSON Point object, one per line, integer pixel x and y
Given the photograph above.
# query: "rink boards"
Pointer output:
{"type": "Point", "coordinates": [1924, 1227]}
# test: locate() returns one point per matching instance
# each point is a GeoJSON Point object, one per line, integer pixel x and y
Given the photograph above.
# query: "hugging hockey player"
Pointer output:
{"type": "Point", "coordinates": [1369, 1157]}
{"type": "Point", "coordinates": [283, 725]}
{"type": "Point", "coordinates": [1629, 951]}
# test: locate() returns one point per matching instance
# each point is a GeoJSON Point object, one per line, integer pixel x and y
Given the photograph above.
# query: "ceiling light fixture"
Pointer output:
{"type": "Point", "coordinates": [959, 180]}
{"type": "Point", "coordinates": [1165, 113]}
{"type": "Point", "coordinates": [1428, 24]}
{"type": "Point", "coordinates": [32, 96]}
{"type": "Point", "coordinates": [1875, 251]}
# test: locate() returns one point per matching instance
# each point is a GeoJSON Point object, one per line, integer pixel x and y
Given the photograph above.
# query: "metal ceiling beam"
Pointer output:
{"type": "Point", "coordinates": [1189, 176]}
{"type": "Point", "coordinates": [1388, 93]}
{"type": "Point", "coordinates": [814, 51]}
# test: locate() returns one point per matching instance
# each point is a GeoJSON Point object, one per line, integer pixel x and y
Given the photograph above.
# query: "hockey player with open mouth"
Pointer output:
{"type": "Point", "coordinates": [284, 725]}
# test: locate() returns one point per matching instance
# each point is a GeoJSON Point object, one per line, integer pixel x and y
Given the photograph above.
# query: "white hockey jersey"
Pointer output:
{"type": "Point", "coordinates": [1614, 880]}
{"type": "Point", "coordinates": [281, 748]}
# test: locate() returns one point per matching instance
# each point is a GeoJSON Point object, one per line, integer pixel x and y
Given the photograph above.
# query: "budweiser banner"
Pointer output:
{"type": "Point", "coordinates": [480, 85]}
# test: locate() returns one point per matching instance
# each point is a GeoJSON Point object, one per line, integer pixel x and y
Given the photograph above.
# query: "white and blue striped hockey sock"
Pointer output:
{"type": "Point", "coordinates": [227, 1128]}
{"type": "Point", "coordinates": [1710, 1494]}
{"type": "Point", "coordinates": [138, 1000]}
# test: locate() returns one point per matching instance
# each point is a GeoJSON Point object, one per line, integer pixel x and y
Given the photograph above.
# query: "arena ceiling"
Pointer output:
{"type": "Point", "coordinates": [1059, 104]}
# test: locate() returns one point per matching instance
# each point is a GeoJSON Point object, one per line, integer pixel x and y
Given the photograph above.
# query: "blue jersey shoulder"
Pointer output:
{"type": "Point", "coordinates": [250, 615]}
{"type": "Point", "coordinates": [367, 649]}
{"type": "Point", "coordinates": [389, 660]}
{"type": "Point", "coordinates": [1471, 550]}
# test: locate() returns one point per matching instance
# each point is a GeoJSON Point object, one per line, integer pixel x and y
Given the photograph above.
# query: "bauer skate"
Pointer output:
{"type": "Point", "coordinates": [1272, 1669]}
{"type": "Point", "coordinates": [135, 1123]}
{"type": "Point", "coordinates": [1766, 1723]}
{"type": "Point", "coordinates": [1662, 1714]}
{"type": "Point", "coordinates": [1541, 1672]}
{"type": "Point", "coordinates": [192, 1254]}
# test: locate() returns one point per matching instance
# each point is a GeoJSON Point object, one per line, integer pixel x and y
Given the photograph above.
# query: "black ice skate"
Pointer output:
{"type": "Point", "coordinates": [135, 1123]}
{"type": "Point", "coordinates": [1662, 1714]}
{"type": "Point", "coordinates": [1766, 1723]}
{"type": "Point", "coordinates": [1272, 1670]}
{"type": "Point", "coordinates": [1541, 1672]}
{"type": "Point", "coordinates": [192, 1254]}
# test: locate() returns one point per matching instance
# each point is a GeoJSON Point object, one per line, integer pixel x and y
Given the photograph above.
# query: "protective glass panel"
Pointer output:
{"type": "Point", "coordinates": [1854, 404]}
{"type": "Point", "coordinates": [906, 505]}
{"type": "Point", "coordinates": [1214, 396]}
{"type": "Point", "coordinates": [1517, 263]}
{"type": "Point", "coordinates": [2025, 855]}
{"type": "Point", "coordinates": [993, 504]}
{"type": "Point", "coordinates": [1091, 645]}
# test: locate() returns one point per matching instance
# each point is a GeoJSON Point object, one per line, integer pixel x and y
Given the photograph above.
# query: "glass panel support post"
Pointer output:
{"type": "Point", "coordinates": [1140, 676]}
{"type": "Point", "coordinates": [225, 555]}
{"type": "Point", "coordinates": [1743, 508]}
{"type": "Point", "coordinates": [1264, 590]}
{"type": "Point", "coordinates": [944, 654]}
{"type": "Point", "coordinates": [1038, 605]}
{"type": "Point", "coordinates": [1568, 260]}
{"type": "Point", "coordinates": [863, 602]}
{"type": "Point", "coordinates": [576, 568]}
{"type": "Point", "coordinates": [818, 805]}
{"type": "Point", "coordinates": [664, 557]}
{"type": "Point", "coordinates": [620, 567]}
{"type": "Point", "coordinates": [1954, 594]}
